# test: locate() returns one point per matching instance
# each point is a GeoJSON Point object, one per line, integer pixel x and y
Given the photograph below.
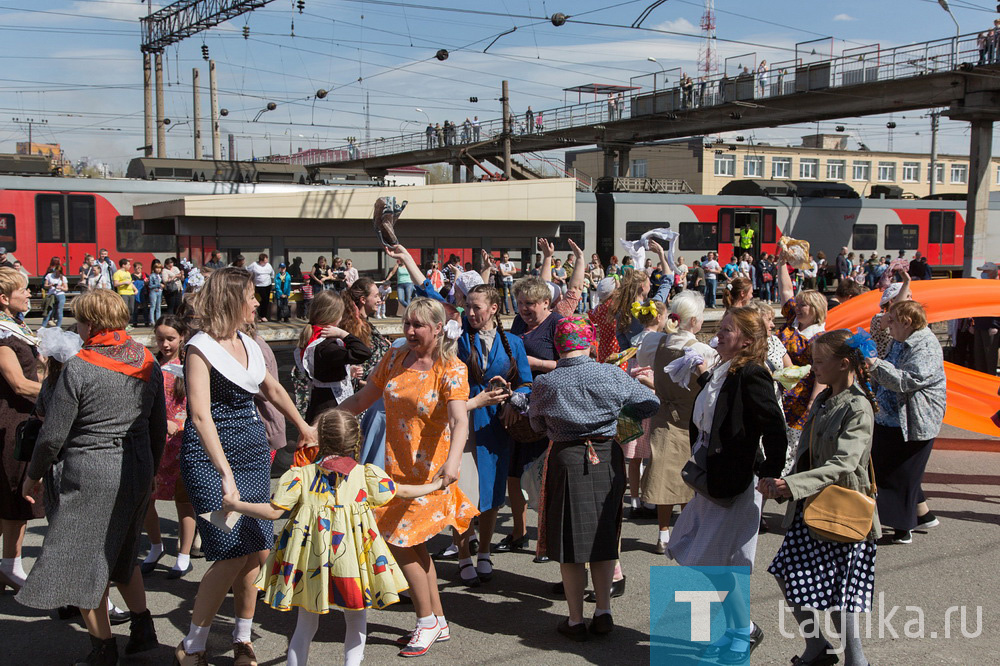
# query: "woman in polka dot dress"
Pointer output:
{"type": "Point", "coordinates": [835, 448]}
{"type": "Point", "coordinates": [225, 452]}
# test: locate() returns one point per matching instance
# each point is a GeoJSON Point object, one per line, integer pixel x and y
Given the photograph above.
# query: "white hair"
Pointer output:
{"type": "Point", "coordinates": [686, 305]}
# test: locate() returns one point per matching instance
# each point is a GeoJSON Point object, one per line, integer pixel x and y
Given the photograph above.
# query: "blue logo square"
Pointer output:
{"type": "Point", "coordinates": [686, 613]}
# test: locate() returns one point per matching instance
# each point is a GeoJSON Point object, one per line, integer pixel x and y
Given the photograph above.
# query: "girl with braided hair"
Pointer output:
{"type": "Point", "coordinates": [813, 572]}
{"type": "Point", "coordinates": [498, 368]}
{"type": "Point", "coordinates": [330, 553]}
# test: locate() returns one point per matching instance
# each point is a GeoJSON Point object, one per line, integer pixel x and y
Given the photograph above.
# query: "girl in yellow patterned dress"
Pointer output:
{"type": "Point", "coordinates": [330, 553]}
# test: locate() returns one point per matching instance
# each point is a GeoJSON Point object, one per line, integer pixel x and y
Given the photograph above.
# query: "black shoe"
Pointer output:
{"type": "Point", "coordinates": [468, 582]}
{"type": "Point", "coordinates": [577, 633]}
{"type": "Point", "coordinates": [755, 638]}
{"type": "Point", "coordinates": [763, 526]}
{"type": "Point", "coordinates": [449, 552]}
{"type": "Point", "coordinates": [119, 616]}
{"type": "Point", "coordinates": [148, 567]}
{"type": "Point", "coordinates": [141, 634]}
{"type": "Point", "coordinates": [641, 513]}
{"type": "Point", "coordinates": [174, 574]}
{"type": "Point", "coordinates": [67, 612]}
{"type": "Point", "coordinates": [902, 537]}
{"type": "Point", "coordinates": [474, 546]}
{"type": "Point", "coordinates": [617, 590]}
{"type": "Point", "coordinates": [602, 624]}
{"type": "Point", "coordinates": [927, 520]}
{"type": "Point", "coordinates": [824, 658]}
{"type": "Point", "coordinates": [540, 559]}
{"type": "Point", "coordinates": [509, 544]}
{"type": "Point", "coordinates": [104, 653]}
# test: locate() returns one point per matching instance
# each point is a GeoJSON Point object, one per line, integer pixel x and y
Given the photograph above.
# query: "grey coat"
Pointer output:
{"type": "Point", "coordinates": [838, 430]}
{"type": "Point", "coordinates": [918, 377]}
{"type": "Point", "coordinates": [108, 430]}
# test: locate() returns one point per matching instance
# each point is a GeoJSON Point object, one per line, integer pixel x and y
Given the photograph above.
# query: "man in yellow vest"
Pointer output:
{"type": "Point", "coordinates": [746, 239]}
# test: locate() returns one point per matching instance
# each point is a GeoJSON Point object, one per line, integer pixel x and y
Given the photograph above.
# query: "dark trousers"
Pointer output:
{"type": "Point", "coordinates": [984, 351]}
{"type": "Point", "coordinates": [283, 311]}
{"type": "Point", "coordinates": [899, 467]}
{"type": "Point", "coordinates": [263, 301]}
{"type": "Point", "coordinates": [173, 299]}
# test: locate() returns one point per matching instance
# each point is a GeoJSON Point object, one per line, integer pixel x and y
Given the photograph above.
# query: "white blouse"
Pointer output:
{"type": "Point", "coordinates": [249, 378]}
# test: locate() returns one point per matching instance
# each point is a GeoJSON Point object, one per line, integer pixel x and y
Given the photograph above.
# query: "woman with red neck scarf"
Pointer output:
{"type": "Point", "coordinates": [106, 422]}
{"type": "Point", "coordinates": [326, 352]}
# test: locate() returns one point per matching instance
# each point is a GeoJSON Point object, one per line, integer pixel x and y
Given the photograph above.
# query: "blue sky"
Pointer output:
{"type": "Point", "coordinates": [76, 64]}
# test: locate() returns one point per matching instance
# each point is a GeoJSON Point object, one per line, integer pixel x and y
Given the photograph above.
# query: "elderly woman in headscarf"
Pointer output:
{"type": "Point", "coordinates": [577, 406]}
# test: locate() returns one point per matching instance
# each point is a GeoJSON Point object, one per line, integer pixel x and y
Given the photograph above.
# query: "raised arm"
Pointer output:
{"type": "Point", "coordinates": [904, 291]}
{"type": "Point", "coordinates": [547, 249]}
{"type": "Point", "coordinates": [488, 267]}
{"type": "Point", "coordinates": [786, 290]}
{"type": "Point", "coordinates": [579, 273]}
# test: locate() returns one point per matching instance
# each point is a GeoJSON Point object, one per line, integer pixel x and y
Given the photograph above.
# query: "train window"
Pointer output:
{"type": "Point", "coordinates": [129, 237]}
{"type": "Point", "coordinates": [725, 225]}
{"type": "Point", "coordinates": [567, 231]}
{"type": "Point", "coordinates": [865, 237]}
{"type": "Point", "coordinates": [635, 230]}
{"type": "Point", "coordinates": [82, 219]}
{"type": "Point", "coordinates": [8, 235]}
{"type": "Point", "coordinates": [49, 218]}
{"type": "Point", "coordinates": [901, 236]}
{"type": "Point", "coordinates": [770, 231]}
{"type": "Point", "coordinates": [942, 227]}
{"type": "Point", "coordinates": [698, 236]}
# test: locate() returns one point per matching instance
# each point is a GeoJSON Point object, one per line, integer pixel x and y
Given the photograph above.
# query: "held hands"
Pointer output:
{"type": "Point", "coordinates": [229, 488]}
{"type": "Point", "coordinates": [230, 503]}
{"type": "Point", "coordinates": [449, 473]}
{"type": "Point", "coordinates": [509, 415]}
{"type": "Point", "coordinates": [774, 489]}
{"type": "Point", "coordinates": [308, 436]}
{"type": "Point", "coordinates": [172, 428]}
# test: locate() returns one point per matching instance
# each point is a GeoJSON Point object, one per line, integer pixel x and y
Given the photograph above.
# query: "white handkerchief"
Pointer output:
{"type": "Point", "coordinates": [221, 520]}
{"type": "Point", "coordinates": [681, 369]}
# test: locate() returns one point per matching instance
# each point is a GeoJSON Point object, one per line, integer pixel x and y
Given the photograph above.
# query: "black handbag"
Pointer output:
{"type": "Point", "coordinates": [25, 437]}
{"type": "Point", "coordinates": [695, 475]}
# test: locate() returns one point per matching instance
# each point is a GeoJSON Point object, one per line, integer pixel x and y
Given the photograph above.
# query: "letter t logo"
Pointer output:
{"type": "Point", "coordinates": [701, 610]}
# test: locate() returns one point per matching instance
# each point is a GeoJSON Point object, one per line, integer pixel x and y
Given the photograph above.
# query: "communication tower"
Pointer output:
{"type": "Point", "coordinates": [708, 54]}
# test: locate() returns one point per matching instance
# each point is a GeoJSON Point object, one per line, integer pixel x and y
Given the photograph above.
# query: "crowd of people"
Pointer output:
{"type": "Point", "coordinates": [600, 384]}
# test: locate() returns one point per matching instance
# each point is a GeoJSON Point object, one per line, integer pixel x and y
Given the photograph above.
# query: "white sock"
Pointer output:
{"type": "Point", "coordinates": [572, 623]}
{"type": "Point", "coordinates": [305, 629]}
{"type": "Point", "coordinates": [466, 572]}
{"type": "Point", "coordinates": [429, 621]}
{"type": "Point", "coordinates": [111, 606]}
{"type": "Point", "coordinates": [442, 622]}
{"type": "Point", "coordinates": [355, 636]}
{"type": "Point", "coordinates": [602, 611]}
{"type": "Point", "coordinates": [664, 536]}
{"type": "Point", "coordinates": [196, 639]}
{"type": "Point", "coordinates": [483, 564]}
{"type": "Point", "coordinates": [11, 567]}
{"type": "Point", "coordinates": [183, 560]}
{"type": "Point", "coordinates": [241, 632]}
{"type": "Point", "coordinates": [739, 645]}
{"type": "Point", "coordinates": [634, 501]}
{"type": "Point", "coordinates": [155, 551]}
{"type": "Point", "coordinates": [18, 569]}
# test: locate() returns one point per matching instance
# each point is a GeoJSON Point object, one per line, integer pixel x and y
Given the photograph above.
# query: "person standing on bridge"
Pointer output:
{"type": "Point", "coordinates": [529, 120]}
{"type": "Point", "coordinates": [429, 132]}
{"type": "Point", "coordinates": [475, 128]}
{"type": "Point", "coordinates": [762, 78]}
{"type": "Point", "coordinates": [439, 135]}
{"type": "Point", "coordinates": [466, 130]}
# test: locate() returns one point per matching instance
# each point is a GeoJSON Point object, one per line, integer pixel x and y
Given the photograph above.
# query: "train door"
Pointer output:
{"type": "Point", "coordinates": [941, 238]}
{"type": "Point", "coordinates": [66, 226]}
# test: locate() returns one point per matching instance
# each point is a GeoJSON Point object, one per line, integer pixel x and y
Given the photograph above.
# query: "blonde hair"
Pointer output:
{"type": "Point", "coordinates": [910, 314]}
{"type": "Point", "coordinates": [339, 434]}
{"type": "Point", "coordinates": [658, 309]}
{"type": "Point", "coordinates": [532, 289]}
{"type": "Point", "coordinates": [623, 297]}
{"type": "Point", "coordinates": [737, 289]}
{"type": "Point", "coordinates": [101, 309]}
{"type": "Point", "coordinates": [220, 302]}
{"type": "Point", "coordinates": [326, 309]}
{"type": "Point", "coordinates": [11, 280]}
{"type": "Point", "coordinates": [687, 305]}
{"type": "Point", "coordinates": [816, 301]}
{"type": "Point", "coordinates": [431, 312]}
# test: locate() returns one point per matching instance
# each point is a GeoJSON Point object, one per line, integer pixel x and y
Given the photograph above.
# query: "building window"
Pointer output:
{"type": "Point", "coordinates": [998, 174]}
{"type": "Point", "coordinates": [901, 236]}
{"type": "Point", "coordinates": [7, 231]}
{"type": "Point", "coordinates": [887, 172]}
{"type": "Point", "coordinates": [129, 237]}
{"type": "Point", "coordinates": [862, 170]}
{"type": "Point", "coordinates": [781, 167]}
{"type": "Point", "coordinates": [635, 230]}
{"type": "Point", "coordinates": [697, 236]}
{"type": "Point", "coordinates": [939, 173]}
{"type": "Point", "coordinates": [835, 169]}
{"type": "Point", "coordinates": [753, 167]}
{"type": "Point", "coordinates": [638, 169]}
{"type": "Point", "coordinates": [725, 165]}
{"type": "Point", "coordinates": [865, 237]}
{"type": "Point", "coordinates": [808, 168]}
{"type": "Point", "coordinates": [574, 231]}
{"type": "Point", "coordinates": [911, 172]}
{"type": "Point", "coordinates": [959, 174]}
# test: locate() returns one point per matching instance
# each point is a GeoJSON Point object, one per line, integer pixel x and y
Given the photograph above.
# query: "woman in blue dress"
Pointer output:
{"type": "Point", "coordinates": [225, 451]}
{"type": "Point", "coordinates": [495, 358]}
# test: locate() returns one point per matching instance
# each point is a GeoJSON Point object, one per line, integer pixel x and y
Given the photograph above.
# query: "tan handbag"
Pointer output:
{"type": "Point", "coordinates": [840, 514]}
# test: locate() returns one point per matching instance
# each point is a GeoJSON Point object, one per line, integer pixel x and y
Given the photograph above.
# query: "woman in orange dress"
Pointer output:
{"type": "Point", "coordinates": [425, 387]}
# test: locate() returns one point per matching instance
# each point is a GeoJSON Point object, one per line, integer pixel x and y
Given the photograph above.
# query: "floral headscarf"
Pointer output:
{"type": "Point", "coordinates": [574, 333]}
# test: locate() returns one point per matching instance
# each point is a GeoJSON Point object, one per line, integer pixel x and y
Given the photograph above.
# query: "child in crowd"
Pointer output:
{"type": "Point", "coordinates": [384, 290]}
{"type": "Point", "coordinates": [330, 553]}
{"type": "Point", "coordinates": [171, 333]}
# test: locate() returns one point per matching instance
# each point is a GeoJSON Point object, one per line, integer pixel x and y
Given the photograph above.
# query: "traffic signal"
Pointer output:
{"type": "Point", "coordinates": [204, 51]}
{"type": "Point", "coordinates": [473, 99]}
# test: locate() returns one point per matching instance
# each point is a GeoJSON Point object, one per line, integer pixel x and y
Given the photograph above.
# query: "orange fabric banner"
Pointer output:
{"type": "Point", "coordinates": [973, 399]}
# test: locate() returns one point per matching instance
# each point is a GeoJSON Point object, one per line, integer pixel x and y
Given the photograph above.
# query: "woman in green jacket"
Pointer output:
{"type": "Point", "coordinates": [815, 573]}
